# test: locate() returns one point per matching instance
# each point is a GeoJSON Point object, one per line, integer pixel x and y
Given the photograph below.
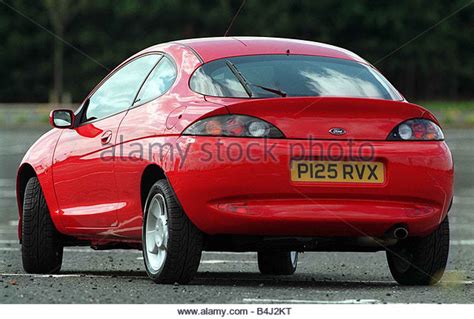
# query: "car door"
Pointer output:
{"type": "Point", "coordinates": [83, 165]}
{"type": "Point", "coordinates": [144, 123]}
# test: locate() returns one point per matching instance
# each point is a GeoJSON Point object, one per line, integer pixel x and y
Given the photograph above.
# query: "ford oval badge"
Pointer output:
{"type": "Point", "coordinates": [337, 131]}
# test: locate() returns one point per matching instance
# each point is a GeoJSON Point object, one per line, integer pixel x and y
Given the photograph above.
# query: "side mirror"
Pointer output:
{"type": "Point", "coordinates": [61, 118]}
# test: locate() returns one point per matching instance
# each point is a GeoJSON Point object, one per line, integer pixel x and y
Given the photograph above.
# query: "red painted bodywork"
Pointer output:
{"type": "Point", "coordinates": [98, 197]}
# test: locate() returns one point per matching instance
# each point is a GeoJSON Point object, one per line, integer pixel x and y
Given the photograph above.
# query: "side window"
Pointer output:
{"type": "Point", "coordinates": [159, 81]}
{"type": "Point", "coordinates": [117, 93]}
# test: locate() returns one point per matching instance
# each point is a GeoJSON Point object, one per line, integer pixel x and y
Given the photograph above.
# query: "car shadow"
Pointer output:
{"type": "Point", "coordinates": [294, 281]}
{"type": "Point", "coordinates": [249, 279]}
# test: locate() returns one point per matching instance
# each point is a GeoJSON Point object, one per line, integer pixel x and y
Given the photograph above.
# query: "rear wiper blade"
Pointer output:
{"type": "Point", "coordinates": [247, 85]}
{"type": "Point", "coordinates": [240, 77]}
{"type": "Point", "coordinates": [275, 91]}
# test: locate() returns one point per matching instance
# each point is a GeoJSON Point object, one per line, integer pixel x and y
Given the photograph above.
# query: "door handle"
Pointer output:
{"type": "Point", "coordinates": [106, 137]}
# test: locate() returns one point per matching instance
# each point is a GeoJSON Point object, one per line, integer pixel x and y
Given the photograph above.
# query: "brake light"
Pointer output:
{"type": "Point", "coordinates": [417, 130]}
{"type": "Point", "coordinates": [233, 125]}
{"type": "Point", "coordinates": [213, 128]}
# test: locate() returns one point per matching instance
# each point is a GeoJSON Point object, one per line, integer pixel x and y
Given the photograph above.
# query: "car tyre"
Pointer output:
{"type": "Point", "coordinates": [277, 262]}
{"type": "Point", "coordinates": [172, 244]}
{"type": "Point", "coordinates": [41, 245]}
{"type": "Point", "coordinates": [421, 260]}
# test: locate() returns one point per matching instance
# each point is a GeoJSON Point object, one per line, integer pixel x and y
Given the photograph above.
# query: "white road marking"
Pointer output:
{"type": "Point", "coordinates": [13, 222]}
{"type": "Point", "coordinates": [66, 276]}
{"type": "Point", "coordinates": [462, 242]}
{"type": "Point", "coordinates": [8, 231]}
{"type": "Point", "coordinates": [291, 301]}
{"type": "Point", "coordinates": [5, 182]}
{"type": "Point", "coordinates": [467, 227]}
{"type": "Point", "coordinates": [78, 250]}
{"type": "Point", "coordinates": [7, 194]}
{"type": "Point", "coordinates": [215, 261]}
{"type": "Point", "coordinates": [9, 241]}
{"type": "Point", "coordinates": [42, 276]}
{"type": "Point", "coordinates": [463, 200]}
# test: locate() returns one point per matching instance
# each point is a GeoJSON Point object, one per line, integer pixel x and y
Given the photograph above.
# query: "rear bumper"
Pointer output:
{"type": "Point", "coordinates": [243, 186]}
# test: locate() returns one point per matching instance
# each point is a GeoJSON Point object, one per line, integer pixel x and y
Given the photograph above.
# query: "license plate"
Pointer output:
{"type": "Point", "coordinates": [338, 172]}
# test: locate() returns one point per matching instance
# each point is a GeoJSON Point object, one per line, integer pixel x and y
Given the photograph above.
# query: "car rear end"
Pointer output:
{"type": "Point", "coordinates": [310, 182]}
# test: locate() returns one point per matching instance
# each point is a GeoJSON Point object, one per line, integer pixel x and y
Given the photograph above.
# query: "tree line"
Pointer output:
{"type": "Point", "coordinates": [57, 50]}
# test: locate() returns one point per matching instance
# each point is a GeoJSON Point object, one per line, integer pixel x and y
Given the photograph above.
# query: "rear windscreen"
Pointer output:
{"type": "Point", "coordinates": [262, 76]}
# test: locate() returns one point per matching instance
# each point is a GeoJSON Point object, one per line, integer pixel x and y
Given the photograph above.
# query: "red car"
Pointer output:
{"type": "Point", "coordinates": [240, 144]}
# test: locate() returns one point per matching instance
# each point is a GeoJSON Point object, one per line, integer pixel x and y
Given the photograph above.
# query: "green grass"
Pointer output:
{"type": "Point", "coordinates": [44, 118]}
{"type": "Point", "coordinates": [20, 119]}
{"type": "Point", "coordinates": [470, 119]}
{"type": "Point", "coordinates": [452, 113]}
{"type": "Point", "coordinates": [447, 105]}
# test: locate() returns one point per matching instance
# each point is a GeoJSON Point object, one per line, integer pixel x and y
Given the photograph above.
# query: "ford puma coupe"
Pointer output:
{"type": "Point", "coordinates": [270, 145]}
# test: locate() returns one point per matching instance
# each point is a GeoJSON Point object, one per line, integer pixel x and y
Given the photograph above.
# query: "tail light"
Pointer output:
{"type": "Point", "coordinates": [417, 130]}
{"type": "Point", "coordinates": [233, 125]}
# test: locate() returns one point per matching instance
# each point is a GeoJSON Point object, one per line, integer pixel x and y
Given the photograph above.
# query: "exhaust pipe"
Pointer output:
{"type": "Point", "coordinates": [400, 233]}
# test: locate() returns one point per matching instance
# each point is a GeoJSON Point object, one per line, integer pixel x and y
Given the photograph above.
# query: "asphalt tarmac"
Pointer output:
{"type": "Point", "coordinates": [90, 276]}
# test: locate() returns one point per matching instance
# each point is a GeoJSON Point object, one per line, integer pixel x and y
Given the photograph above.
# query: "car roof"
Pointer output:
{"type": "Point", "coordinates": [209, 49]}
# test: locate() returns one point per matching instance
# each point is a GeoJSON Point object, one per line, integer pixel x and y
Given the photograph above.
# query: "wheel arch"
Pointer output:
{"type": "Point", "coordinates": [150, 176]}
